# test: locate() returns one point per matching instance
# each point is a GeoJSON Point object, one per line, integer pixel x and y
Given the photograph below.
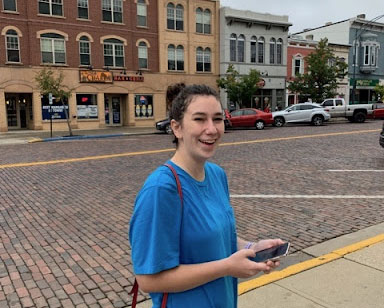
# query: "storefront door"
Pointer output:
{"type": "Point", "coordinates": [113, 110]}
{"type": "Point", "coordinates": [18, 113]}
{"type": "Point", "coordinates": [12, 112]}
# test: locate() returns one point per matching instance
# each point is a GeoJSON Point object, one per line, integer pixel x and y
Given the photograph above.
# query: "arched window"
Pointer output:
{"type": "Point", "coordinates": [203, 21]}
{"type": "Point", "coordinates": [141, 13]}
{"type": "Point", "coordinates": [175, 58]}
{"type": "Point", "coordinates": [171, 57]}
{"type": "Point", "coordinates": [272, 50]}
{"type": "Point", "coordinates": [203, 59]}
{"type": "Point", "coordinates": [179, 17]}
{"type": "Point", "coordinates": [260, 50]}
{"type": "Point", "coordinates": [279, 51]}
{"type": "Point", "coordinates": [199, 20]}
{"type": "Point", "coordinates": [85, 51]}
{"type": "Point", "coordinates": [241, 48]}
{"type": "Point", "coordinates": [253, 49]}
{"type": "Point", "coordinates": [175, 17]}
{"type": "Point", "coordinates": [207, 21]}
{"type": "Point", "coordinates": [52, 48]}
{"type": "Point", "coordinates": [13, 48]}
{"type": "Point", "coordinates": [232, 47]}
{"type": "Point", "coordinates": [180, 58]}
{"type": "Point", "coordinates": [143, 55]}
{"type": "Point", "coordinates": [113, 53]}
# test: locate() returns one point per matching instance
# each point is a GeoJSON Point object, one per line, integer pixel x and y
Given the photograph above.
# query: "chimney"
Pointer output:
{"type": "Point", "coordinates": [361, 16]}
{"type": "Point", "coordinates": [309, 37]}
{"type": "Point", "coordinates": [328, 23]}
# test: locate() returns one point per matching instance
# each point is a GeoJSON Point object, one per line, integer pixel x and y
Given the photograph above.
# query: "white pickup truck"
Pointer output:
{"type": "Point", "coordinates": [354, 113]}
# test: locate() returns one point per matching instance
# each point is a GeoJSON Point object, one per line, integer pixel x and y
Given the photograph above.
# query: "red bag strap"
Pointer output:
{"type": "Point", "coordinates": [180, 191]}
{"type": "Point", "coordinates": [135, 289]}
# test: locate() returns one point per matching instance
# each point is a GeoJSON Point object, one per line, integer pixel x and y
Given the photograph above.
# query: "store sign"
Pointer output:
{"type": "Point", "coordinates": [129, 78]}
{"type": "Point", "coordinates": [87, 111]}
{"type": "Point", "coordinates": [55, 111]}
{"type": "Point", "coordinates": [96, 77]}
{"type": "Point", "coordinates": [365, 82]}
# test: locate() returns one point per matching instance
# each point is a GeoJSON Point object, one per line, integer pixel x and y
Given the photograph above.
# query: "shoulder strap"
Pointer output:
{"type": "Point", "coordinates": [180, 191]}
{"type": "Point", "coordinates": [135, 289]}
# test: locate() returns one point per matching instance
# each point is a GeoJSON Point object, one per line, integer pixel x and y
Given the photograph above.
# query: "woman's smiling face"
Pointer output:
{"type": "Point", "coordinates": [201, 128]}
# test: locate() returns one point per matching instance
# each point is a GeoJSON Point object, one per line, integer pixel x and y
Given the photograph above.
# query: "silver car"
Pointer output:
{"type": "Point", "coordinates": [301, 113]}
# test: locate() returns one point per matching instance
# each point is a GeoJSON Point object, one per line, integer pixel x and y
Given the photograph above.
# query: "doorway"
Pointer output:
{"type": "Point", "coordinates": [113, 110]}
{"type": "Point", "coordinates": [19, 111]}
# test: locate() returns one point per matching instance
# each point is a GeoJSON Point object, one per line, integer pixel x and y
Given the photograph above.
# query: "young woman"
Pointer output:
{"type": "Point", "coordinates": [191, 251]}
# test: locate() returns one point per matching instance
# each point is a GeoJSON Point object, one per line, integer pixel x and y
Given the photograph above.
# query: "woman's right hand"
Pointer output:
{"type": "Point", "coordinates": [240, 266]}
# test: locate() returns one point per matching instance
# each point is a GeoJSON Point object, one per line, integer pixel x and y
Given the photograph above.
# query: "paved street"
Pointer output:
{"type": "Point", "coordinates": [63, 225]}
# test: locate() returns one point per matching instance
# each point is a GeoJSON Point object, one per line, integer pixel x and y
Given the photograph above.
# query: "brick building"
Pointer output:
{"type": "Point", "coordinates": [109, 52]}
{"type": "Point", "coordinates": [298, 49]}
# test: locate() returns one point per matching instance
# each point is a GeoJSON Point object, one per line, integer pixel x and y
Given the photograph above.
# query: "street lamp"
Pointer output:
{"type": "Point", "coordinates": [358, 33]}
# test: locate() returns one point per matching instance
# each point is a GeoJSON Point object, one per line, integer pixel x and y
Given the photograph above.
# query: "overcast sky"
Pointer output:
{"type": "Point", "coordinates": [311, 13]}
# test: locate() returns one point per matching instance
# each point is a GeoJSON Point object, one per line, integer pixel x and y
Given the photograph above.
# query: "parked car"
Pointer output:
{"type": "Point", "coordinates": [382, 137]}
{"type": "Point", "coordinates": [249, 117]}
{"type": "Point", "coordinates": [338, 108]}
{"type": "Point", "coordinates": [378, 111]}
{"type": "Point", "coordinates": [301, 113]}
{"type": "Point", "coordinates": [164, 126]}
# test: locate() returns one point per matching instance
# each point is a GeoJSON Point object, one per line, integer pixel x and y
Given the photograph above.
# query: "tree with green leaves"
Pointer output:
{"type": "Point", "coordinates": [379, 89]}
{"type": "Point", "coordinates": [240, 89]}
{"type": "Point", "coordinates": [324, 70]}
{"type": "Point", "coordinates": [48, 82]}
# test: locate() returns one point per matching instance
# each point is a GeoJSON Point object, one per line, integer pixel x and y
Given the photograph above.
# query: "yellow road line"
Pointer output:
{"type": "Point", "coordinates": [302, 137]}
{"type": "Point", "coordinates": [300, 267]}
{"type": "Point", "coordinates": [72, 160]}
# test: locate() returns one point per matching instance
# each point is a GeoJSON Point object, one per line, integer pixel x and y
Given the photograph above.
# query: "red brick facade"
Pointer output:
{"type": "Point", "coordinates": [28, 20]}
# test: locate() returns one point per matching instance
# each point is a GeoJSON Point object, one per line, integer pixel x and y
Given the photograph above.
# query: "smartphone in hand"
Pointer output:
{"type": "Point", "coordinates": [272, 253]}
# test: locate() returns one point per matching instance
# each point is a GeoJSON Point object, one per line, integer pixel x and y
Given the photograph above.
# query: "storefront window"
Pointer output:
{"type": "Point", "coordinates": [56, 109]}
{"type": "Point", "coordinates": [143, 106]}
{"type": "Point", "coordinates": [86, 106]}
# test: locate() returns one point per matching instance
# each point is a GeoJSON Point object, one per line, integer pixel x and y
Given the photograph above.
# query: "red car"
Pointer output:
{"type": "Point", "coordinates": [378, 113]}
{"type": "Point", "coordinates": [250, 117]}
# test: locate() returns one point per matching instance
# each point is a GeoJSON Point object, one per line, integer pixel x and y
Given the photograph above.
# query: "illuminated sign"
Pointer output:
{"type": "Point", "coordinates": [96, 77]}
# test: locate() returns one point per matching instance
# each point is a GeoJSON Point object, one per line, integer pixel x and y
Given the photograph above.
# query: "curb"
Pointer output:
{"type": "Point", "coordinates": [306, 265]}
{"type": "Point", "coordinates": [65, 138]}
{"type": "Point", "coordinates": [78, 137]}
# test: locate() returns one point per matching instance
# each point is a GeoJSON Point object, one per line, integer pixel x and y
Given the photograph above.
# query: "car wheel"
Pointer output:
{"type": "Point", "coordinates": [168, 129]}
{"type": "Point", "coordinates": [259, 125]}
{"type": "Point", "coordinates": [317, 120]}
{"type": "Point", "coordinates": [359, 117]}
{"type": "Point", "coordinates": [279, 121]}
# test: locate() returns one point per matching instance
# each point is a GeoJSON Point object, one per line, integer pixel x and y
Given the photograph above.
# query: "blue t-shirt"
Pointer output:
{"type": "Point", "coordinates": [163, 235]}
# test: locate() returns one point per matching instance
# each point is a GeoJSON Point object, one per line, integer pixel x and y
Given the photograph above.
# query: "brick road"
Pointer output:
{"type": "Point", "coordinates": [63, 227]}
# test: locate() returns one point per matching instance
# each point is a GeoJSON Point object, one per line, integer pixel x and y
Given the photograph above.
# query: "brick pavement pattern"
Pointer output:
{"type": "Point", "coordinates": [63, 227]}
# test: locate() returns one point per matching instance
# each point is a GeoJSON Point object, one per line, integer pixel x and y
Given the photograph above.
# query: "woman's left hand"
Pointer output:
{"type": "Point", "coordinates": [265, 244]}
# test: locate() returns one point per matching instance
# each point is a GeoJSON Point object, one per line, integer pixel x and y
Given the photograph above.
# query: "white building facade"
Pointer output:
{"type": "Point", "coordinates": [366, 54]}
{"type": "Point", "coordinates": [250, 40]}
